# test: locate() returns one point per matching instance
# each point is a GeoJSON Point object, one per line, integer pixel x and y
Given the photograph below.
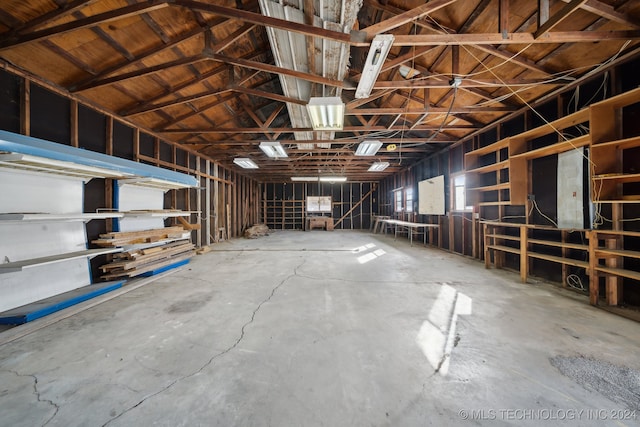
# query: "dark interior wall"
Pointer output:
{"type": "Point", "coordinates": [285, 203]}
{"type": "Point", "coordinates": [50, 116]}
{"type": "Point", "coordinates": [10, 105]}
{"type": "Point", "coordinates": [92, 130]}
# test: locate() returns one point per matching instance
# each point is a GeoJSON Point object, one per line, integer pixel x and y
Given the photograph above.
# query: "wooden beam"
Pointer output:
{"type": "Point", "coordinates": [74, 123]}
{"type": "Point", "coordinates": [503, 12]}
{"type": "Point", "coordinates": [477, 83]}
{"type": "Point", "coordinates": [406, 17]}
{"type": "Point", "coordinates": [430, 109]}
{"type": "Point", "coordinates": [563, 14]}
{"type": "Point", "coordinates": [154, 107]}
{"type": "Point", "coordinates": [355, 38]}
{"type": "Point", "coordinates": [268, 95]}
{"type": "Point", "coordinates": [146, 54]}
{"type": "Point", "coordinates": [101, 18]}
{"type": "Point", "coordinates": [608, 12]}
{"type": "Point", "coordinates": [25, 107]}
{"type": "Point", "coordinates": [278, 70]}
{"type": "Point", "coordinates": [138, 73]}
{"type": "Point", "coordinates": [293, 130]}
{"type": "Point", "coordinates": [51, 16]}
{"type": "Point", "coordinates": [514, 38]}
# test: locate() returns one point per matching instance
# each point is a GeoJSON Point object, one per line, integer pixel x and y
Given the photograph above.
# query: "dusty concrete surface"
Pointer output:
{"type": "Point", "coordinates": [327, 329]}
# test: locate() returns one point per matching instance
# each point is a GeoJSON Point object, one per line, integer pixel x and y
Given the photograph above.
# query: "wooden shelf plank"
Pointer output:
{"type": "Point", "coordinates": [630, 200]}
{"type": "Point", "coordinates": [491, 148]}
{"type": "Point", "coordinates": [617, 233]}
{"type": "Point", "coordinates": [635, 275]}
{"type": "Point", "coordinates": [573, 119]}
{"type": "Point", "coordinates": [502, 203]}
{"type": "Point", "coordinates": [619, 252]}
{"type": "Point", "coordinates": [503, 248]}
{"type": "Point", "coordinates": [495, 187]}
{"type": "Point", "coordinates": [503, 236]}
{"type": "Point", "coordinates": [618, 101]}
{"type": "Point", "coordinates": [159, 213]}
{"type": "Point", "coordinates": [490, 168]}
{"type": "Point", "coordinates": [619, 177]}
{"type": "Point", "coordinates": [559, 259]}
{"type": "Point", "coordinates": [567, 245]}
{"type": "Point", "coordinates": [11, 267]}
{"type": "Point", "coordinates": [560, 147]}
{"type": "Point", "coordinates": [620, 144]}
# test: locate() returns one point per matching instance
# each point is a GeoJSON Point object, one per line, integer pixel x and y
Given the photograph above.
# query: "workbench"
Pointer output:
{"type": "Point", "coordinates": [410, 226]}
{"type": "Point", "coordinates": [324, 222]}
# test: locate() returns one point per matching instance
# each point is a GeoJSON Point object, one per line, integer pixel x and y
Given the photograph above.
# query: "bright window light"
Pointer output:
{"type": "Point", "coordinates": [460, 202]}
{"type": "Point", "coordinates": [378, 166]}
{"type": "Point", "coordinates": [326, 113]}
{"type": "Point", "coordinates": [273, 149]}
{"type": "Point", "coordinates": [408, 199]}
{"type": "Point", "coordinates": [380, 47]}
{"type": "Point", "coordinates": [368, 148]}
{"type": "Point", "coordinates": [245, 163]}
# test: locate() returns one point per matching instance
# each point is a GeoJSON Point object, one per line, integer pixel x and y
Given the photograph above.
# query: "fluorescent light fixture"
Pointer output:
{"type": "Point", "coordinates": [455, 82]}
{"type": "Point", "coordinates": [368, 148]}
{"type": "Point", "coordinates": [305, 178]}
{"type": "Point", "coordinates": [378, 166]}
{"type": "Point", "coordinates": [245, 163]}
{"type": "Point", "coordinates": [273, 149]}
{"type": "Point", "coordinates": [333, 178]}
{"type": "Point", "coordinates": [326, 113]}
{"type": "Point", "coordinates": [408, 72]}
{"type": "Point", "coordinates": [380, 47]}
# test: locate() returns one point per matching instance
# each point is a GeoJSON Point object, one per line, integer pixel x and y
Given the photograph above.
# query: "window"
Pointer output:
{"type": "Point", "coordinates": [459, 199]}
{"type": "Point", "coordinates": [409, 200]}
{"type": "Point", "coordinates": [398, 199]}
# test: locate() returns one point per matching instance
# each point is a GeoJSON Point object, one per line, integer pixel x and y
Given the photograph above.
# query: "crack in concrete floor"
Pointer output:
{"type": "Point", "coordinates": [38, 395]}
{"type": "Point", "coordinates": [214, 357]}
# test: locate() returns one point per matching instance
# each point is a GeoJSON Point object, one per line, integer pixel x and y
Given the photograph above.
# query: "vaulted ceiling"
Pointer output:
{"type": "Point", "coordinates": [222, 76]}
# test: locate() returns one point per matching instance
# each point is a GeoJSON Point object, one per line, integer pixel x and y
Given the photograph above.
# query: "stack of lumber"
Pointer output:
{"type": "Point", "coordinates": [139, 261]}
{"type": "Point", "coordinates": [116, 239]}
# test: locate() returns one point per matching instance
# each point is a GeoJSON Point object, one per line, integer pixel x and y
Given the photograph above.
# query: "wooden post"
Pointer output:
{"type": "Point", "coordinates": [614, 283]}
{"type": "Point", "coordinates": [25, 108]}
{"type": "Point", "coordinates": [524, 253]}
{"type": "Point", "coordinates": [594, 282]}
{"type": "Point", "coordinates": [109, 183]}
{"type": "Point", "coordinates": [487, 253]}
{"type": "Point", "coordinates": [207, 208]}
{"type": "Point", "coordinates": [74, 123]}
{"type": "Point", "coordinates": [199, 203]}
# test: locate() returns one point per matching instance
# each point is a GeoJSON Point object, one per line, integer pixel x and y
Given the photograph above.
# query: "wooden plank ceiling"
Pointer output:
{"type": "Point", "coordinates": [222, 76]}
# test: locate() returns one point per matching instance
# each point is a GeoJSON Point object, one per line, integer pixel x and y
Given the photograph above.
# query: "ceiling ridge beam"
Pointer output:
{"type": "Point", "coordinates": [555, 37]}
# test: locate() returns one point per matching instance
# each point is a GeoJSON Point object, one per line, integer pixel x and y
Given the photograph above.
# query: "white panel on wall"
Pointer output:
{"type": "Point", "coordinates": [32, 192]}
{"type": "Point", "coordinates": [36, 283]}
{"type": "Point", "coordinates": [570, 189]}
{"type": "Point", "coordinates": [431, 196]}
{"type": "Point", "coordinates": [319, 204]}
{"type": "Point", "coordinates": [133, 198]}
{"type": "Point", "coordinates": [22, 241]}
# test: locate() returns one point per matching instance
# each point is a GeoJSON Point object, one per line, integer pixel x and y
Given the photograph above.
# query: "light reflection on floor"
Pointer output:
{"type": "Point", "coordinates": [437, 334]}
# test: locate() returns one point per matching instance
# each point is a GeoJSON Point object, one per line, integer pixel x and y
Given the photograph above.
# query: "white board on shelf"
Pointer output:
{"type": "Point", "coordinates": [431, 196]}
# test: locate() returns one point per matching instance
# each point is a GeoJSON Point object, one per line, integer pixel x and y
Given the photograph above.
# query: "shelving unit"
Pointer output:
{"type": "Point", "coordinates": [498, 242]}
{"type": "Point", "coordinates": [285, 214]}
{"type": "Point", "coordinates": [44, 250]}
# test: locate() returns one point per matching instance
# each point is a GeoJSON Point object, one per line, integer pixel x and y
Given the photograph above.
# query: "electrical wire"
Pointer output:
{"type": "Point", "coordinates": [574, 281]}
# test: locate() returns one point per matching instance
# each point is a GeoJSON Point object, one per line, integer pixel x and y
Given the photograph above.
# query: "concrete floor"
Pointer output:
{"type": "Point", "coordinates": [328, 329]}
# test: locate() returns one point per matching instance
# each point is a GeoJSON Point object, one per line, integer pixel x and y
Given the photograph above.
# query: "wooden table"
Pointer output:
{"type": "Point", "coordinates": [324, 222]}
{"type": "Point", "coordinates": [410, 226]}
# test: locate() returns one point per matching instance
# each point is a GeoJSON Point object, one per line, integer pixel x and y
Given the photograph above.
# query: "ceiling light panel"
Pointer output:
{"type": "Point", "coordinates": [378, 166]}
{"type": "Point", "coordinates": [273, 149]}
{"type": "Point", "coordinates": [326, 113]}
{"type": "Point", "coordinates": [245, 163]}
{"type": "Point", "coordinates": [380, 47]}
{"type": "Point", "coordinates": [333, 178]}
{"type": "Point", "coordinates": [368, 148]}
